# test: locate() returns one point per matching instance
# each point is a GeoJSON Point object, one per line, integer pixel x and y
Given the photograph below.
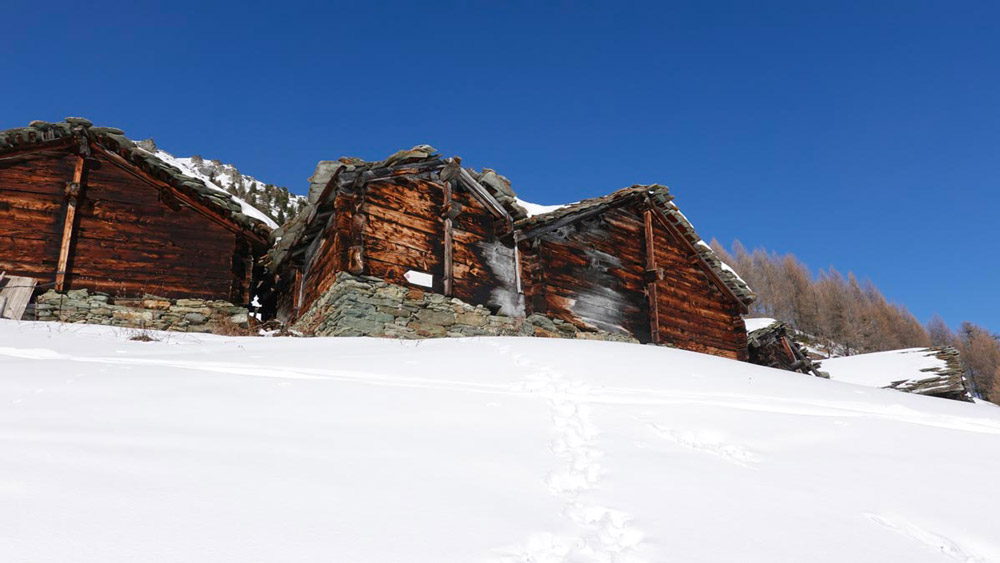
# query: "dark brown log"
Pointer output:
{"type": "Point", "coordinates": [654, 315]}
{"type": "Point", "coordinates": [449, 270]}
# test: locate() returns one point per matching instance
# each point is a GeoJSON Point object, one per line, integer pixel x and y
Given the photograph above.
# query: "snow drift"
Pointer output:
{"type": "Point", "coordinates": [207, 448]}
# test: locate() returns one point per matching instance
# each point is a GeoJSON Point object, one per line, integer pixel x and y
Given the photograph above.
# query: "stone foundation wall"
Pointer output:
{"type": "Point", "coordinates": [368, 306]}
{"type": "Point", "coordinates": [149, 312]}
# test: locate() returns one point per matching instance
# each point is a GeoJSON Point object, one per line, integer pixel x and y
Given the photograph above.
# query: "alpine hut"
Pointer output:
{"type": "Point", "coordinates": [631, 262]}
{"type": "Point", "coordinates": [83, 207]}
{"type": "Point", "coordinates": [415, 219]}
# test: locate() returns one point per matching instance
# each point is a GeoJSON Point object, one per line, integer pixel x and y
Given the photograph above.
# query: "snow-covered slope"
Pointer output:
{"type": "Point", "coordinates": [202, 448]}
{"type": "Point", "coordinates": [258, 199]}
{"type": "Point", "coordinates": [219, 182]}
{"type": "Point", "coordinates": [880, 369]}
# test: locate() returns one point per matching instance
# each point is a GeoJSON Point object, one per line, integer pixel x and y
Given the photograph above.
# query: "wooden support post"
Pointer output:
{"type": "Point", "coordinates": [652, 277]}
{"type": "Point", "coordinates": [297, 291]}
{"type": "Point", "coordinates": [449, 267]}
{"type": "Point", "coordinates": [356, 253]}
{"type": "Point", "coordinates": [517, 267]}
{"type": "Point", "coordinates": [74, 190]}
{"type": "Point", "coordinates": [696, 257]}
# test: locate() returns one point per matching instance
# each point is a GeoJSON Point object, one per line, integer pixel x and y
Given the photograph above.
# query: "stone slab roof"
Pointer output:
{"type": "Point", "coordinates": [345, 171]}
{"type": "Point", "coordinates": [114, 140]}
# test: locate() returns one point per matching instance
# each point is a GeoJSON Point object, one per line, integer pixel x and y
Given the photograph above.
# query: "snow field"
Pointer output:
{"type": "Point", "coordinates": [207, 448]}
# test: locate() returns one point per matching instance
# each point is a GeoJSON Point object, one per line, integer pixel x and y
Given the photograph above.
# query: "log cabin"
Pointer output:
{"type": "Point", "coordinates": [83, 207]}
{"type": "Point", "coordinates": [628, 263]}
{"type": "Point", "coordinates": [414, 219]}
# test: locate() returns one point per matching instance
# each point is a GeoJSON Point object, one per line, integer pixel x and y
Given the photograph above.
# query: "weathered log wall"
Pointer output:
{"type": "Point", "coordinates": [592, 272]}
{"type": "Point", "coordinates": [391, 226]}
{"type": "Point", "coordinates": [32, 209]}
{"type": "Point", "coordinates": [403, 230]}
{"type": "Point", "coordinates": [129, 237]}
{"type": "Point", "coordinates": [694, 314]}
{"type": "Point", "coordinates": [485, 268]}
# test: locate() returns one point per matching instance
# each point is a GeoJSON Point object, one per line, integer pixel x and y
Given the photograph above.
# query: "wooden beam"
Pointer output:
{"type": "Point", "coordinates": [708, 269]}
{"type": "Point", "coordinates": [449, 268]}
{"type": "Point", "coordinates": [517, 269]}
{"type": "Point", "coordinates": [534, 231]}
{"type": "Point", "coordinates": [359, 219]}
{"type": "Point", "coordinates": [192, 202]}
{"type": "Point", "coordinates": [297, 291]}
{"type": "Point", "coordinates": [482, 194]}
{"type": "Point", "coordinates": [652, 278]}
{"type": "Point", "coordinates": [74, 191]}
{"type": "Point", "coordinates": [18, 151]}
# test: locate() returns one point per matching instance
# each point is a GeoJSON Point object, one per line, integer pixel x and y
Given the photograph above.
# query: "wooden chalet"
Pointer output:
{"type": "Point", "coordinates": [413, 219]}
{"type": "Point", "coordinates": [628, 263]}
{"type": "Point", "coordinates": [631, 262]}
{"type": "Point", "coordinates": [83, 207]}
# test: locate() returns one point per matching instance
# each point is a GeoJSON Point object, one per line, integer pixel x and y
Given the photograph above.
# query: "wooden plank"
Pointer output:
{"type": "Point", "coordinates": [654, 309]}
{"type": "Point", "coordinates": [36, 147]}
{"type": "Point", "coordinates": [75, 191]}
{"type": "Point", "coordinates": [15, 293]}
{"type": "Point", "coordinates": [482, 193]}
{"type": "Point", "coordinates": [449, 269]}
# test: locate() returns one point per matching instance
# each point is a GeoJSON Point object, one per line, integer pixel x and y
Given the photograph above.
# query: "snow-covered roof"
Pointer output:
{"type": "Point", "coordinates": [538, 209]}
{"type": "Point", "coordinates": [759, 323]}
{"type": "Point", "coordinates": [166, 170]}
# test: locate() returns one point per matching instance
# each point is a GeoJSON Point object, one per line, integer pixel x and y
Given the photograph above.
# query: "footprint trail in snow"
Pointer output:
{"type": "Point", "coordinates": [604, 535]}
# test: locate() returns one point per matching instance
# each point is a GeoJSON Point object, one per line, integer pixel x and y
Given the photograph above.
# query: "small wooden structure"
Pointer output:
{"type": "Point", "coordinates": [83, 207]}
{"type": "Point", "coordinates": [631, 262]}
{"type": "Point", "coordinates": [628, 263]}
{"type": "Point", "coordinates": [774, 346]}
{"type": "Point", "coordinates": [414, 219]}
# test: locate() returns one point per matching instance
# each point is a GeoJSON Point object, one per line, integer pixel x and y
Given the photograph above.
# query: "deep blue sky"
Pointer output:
{"type": "Point", "coordinates": [864, 136]}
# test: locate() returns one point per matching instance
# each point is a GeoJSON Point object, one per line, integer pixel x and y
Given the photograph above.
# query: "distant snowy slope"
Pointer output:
{"type": "Point", "coordinates": [184, 164]}
{"type": "Point", "coordinates": [272, 204]}
{"type": "Point", "coordinates": [206, 449]}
